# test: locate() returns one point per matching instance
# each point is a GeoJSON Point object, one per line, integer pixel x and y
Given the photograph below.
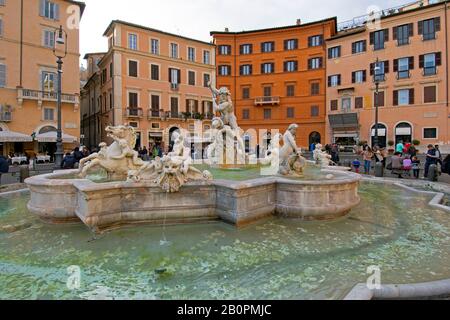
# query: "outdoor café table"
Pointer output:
{"type": "Point", "coordinates": [18, 160]}
{"type": "Point", "coordinates": [43, 158]}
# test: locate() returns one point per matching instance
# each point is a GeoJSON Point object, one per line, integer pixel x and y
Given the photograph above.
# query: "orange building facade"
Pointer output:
{"type": "Point", "coordinates": [156, 82]}
{"type": "Point", "coordinates": [28, 75]}
{"type": "Point", "coordinates": [277, 77]}
{"type": "Point", "coordinates": [410, 44]}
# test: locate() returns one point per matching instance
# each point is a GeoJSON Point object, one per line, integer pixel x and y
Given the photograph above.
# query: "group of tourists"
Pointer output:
{"type": "Point", "coordinates": [71, 159]}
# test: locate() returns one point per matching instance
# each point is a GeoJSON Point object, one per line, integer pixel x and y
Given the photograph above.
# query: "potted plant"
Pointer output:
{"type": "Point", "coordinates": [391, 147]}
{"type": "Point", "coordinates": [416, 143]}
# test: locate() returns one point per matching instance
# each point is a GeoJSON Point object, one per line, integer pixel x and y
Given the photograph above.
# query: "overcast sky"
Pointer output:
{"type": "Point", "coordinates": [196, 18]}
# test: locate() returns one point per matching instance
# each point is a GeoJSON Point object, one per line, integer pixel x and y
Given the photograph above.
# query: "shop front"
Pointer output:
{"type": "Point", "coordinates": [345, 130]}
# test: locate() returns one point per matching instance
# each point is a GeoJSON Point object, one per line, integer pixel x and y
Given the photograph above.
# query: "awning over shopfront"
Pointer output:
{"type": "Point", "coordinates": [343, 120]}
{"type": "Point", "coordinates": [11, 136]}
{"type": "Point", "coordinates": [51, 137]}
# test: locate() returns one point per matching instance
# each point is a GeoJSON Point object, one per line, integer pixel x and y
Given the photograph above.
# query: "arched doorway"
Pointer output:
{"type": "Point", "coordinates": [314, 137]}
{"type": "Point", "coordinates": [382, 136]}
{"type": "Point", "coordinates": [171, 142]}
{"type": "Point", "coordinates": [403, 132]}
{"type": "Point", "coordinates": [48, 148]}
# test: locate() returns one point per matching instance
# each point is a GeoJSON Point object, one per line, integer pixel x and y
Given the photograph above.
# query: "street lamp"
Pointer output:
{"type": "Point", "coordinates": [376, 79]}
{"type": "Point", "coordinates": [61, 40]}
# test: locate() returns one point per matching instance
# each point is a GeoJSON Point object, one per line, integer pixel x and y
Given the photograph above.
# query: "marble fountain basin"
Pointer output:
{"type": "Point", "coordinates": [58, 198]}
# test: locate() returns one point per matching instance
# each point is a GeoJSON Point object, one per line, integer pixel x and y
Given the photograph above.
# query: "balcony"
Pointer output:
{"type": "Point", "coordinates": [269, 100]}
{"type": "Point", "coordinates": [174, 86]}
{"type": "Point", "coordinates": [41, 96]}
{"type": "Point", "coordinates": [429, 71]}
{"type": "Point", "coordinates": [134, 113]}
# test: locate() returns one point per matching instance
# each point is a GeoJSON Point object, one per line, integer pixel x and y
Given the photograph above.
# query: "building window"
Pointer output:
{"type": "Point", "coordinates": [291, 44]}
{"type": "Point", "coordinates": [430, 133]}
{"type": "Point", "coordinates": [132, 100]}
{"type": "Point", "coordinates": [429, 94]}
{"type": "Point", "coordinates": [314, 111]}
{"type": "Point", "coordinates": [206, 79]}
{"type": "Point", "coordinates": [245, 93]}
{"type": "Point", "coordinates": [429, 63]}
{"type": "Point", "coordinates": [154, 72]}
{"type": "Point", "coordinates": [346, 104]}
{"type": "Point", "coordinates": [132, 41]}
{"type": "Point", "coordinates": [49, 114]}
{"type": "Point", "coordinates": [245, 114]}
{"type": "Point", "coordinates": [314, 63]}
{"type": "Point", "coordinates": [403, 97]}
{"type": "Point", "coordinates": [191, 78]}
{"type": "Point", "coordinates": [378, 39]}
{"type": "Point", "coordinates": [132, 68]}
{"type": "Point", "coordinates": [174, 107]}
{"type": "Point", "coordinates": [155, 105]}
{"type": "Point", "coordinates": [428, 28]}
{"type": "Point", "coordinates": [49, 9]}
{"type": "Point", "coordinates": [111, 70]}
{"type": "Point", "coordinates": [154, 46]}
{"type": "Point", "coordinates": [174, 76]}
{"type": "Point", "coordinates": [403, 66]}
{"type": "Point", "coordinates": [245, 70]}
{"type": "Point", "coordinates": [191, 54]}
{"type": "Point", "coordinates": [290, 112]}
{"type": "Point", "coordinates": [290, 90]}
{"type": "Point", "coordinates": [49, 81]}
{"type": "Point", "coordinates": [267, 114]}
{"type": "Point", "coordinates": [267, 46]}
{"type": "Point", "coordinates": [359, 76]}
{"type": "Point", "coordinates": [1, 26]}
{"type": "Point", "coordinates": [334, 80]}
{"type": "Point", "coordinates": [224, 50]}
{"type": "Point", "coordinates": [359, 47]}
{"type": "Point", "coordinates": [49, 38]}
{"type": "Point", "coordinates": [333, 105]}
{"type": "Point", "coordinates": [290, 66]}
{"type": "Point", "coordinates": [379, 99]}
{"type": "Point", "coordinates": [315, 88]}
{"type": "Point", "coordinates": [359, 102]}
{"type": "Point", "coordinates": [267, 91]}
{"type": "Point", "coordinates": [206, 57]}
{"type": "Point", "coordinates": [224, 70]}
{"type": "Point", "coordinates": [379, 70]}
{"type": "Point", "coordinates": [174, 50]}
{"type": "Point", "coordinates": [315, 41]}
{"type": "Point", "coordinates": [402, 34]}
{"type": "Point", "coordinates": [334, 52]}
{"type": "Point", "coordinates": [246, 49]}
{"type": "Point", "coordinates": [2, 75]}
{"type": "Point", "coordinates": [267, 68]}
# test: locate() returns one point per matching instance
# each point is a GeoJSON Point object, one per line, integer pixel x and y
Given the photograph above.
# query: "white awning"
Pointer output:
{"type": "Point", "coordinates": [381, 132]}
{"type": "Point", "coordinates": [51, 137]}
{"type": "Point", "coordinates": [11, 136]}
{"type": "Point", "coordinates": [346, 135]}
{"type": "Point", "coordinates": [403, 131]}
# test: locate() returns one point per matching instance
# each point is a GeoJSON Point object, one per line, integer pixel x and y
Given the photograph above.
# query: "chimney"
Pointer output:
{"type": "Point", "coordinates": [299, 22]}
{"type": "Point", "coordinates": [227, 30]}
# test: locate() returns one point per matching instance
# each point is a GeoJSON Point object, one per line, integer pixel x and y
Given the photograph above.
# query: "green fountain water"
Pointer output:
{"type": "Point", "coordinates": [274, 259]}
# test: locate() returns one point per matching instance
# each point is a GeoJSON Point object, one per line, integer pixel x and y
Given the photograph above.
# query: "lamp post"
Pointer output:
{"type": "Point", "coordinates": [60, 39]}
{"type": "Point", "coordinates": [376, 79]}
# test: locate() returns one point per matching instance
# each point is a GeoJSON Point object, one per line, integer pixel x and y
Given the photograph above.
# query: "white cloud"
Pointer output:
{"type": "Point", "coordinates": [196, 18]}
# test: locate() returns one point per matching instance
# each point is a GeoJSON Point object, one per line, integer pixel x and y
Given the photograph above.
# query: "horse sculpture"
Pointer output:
{"type": "Point", "coordinates": [117, 159]}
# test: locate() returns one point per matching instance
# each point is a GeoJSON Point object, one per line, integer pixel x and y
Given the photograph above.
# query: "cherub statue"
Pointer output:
{"type": "Point", "coordinates": [291, 158]}
{"type": "Point", "coordinates": [180, 154]}
{"type": "Point", "coordinates": [321, 157]}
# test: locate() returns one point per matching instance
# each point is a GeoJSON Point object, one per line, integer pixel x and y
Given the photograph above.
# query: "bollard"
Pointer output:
{"type": "Point", "coordinates": [379, 170]}
{"type": "Point", "coordinates": [433, 173]}
{"type": "Point", "coordinates": [24, 173]}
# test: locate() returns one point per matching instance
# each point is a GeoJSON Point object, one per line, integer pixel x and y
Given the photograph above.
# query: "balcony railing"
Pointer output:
{"type": "Point", "coordinates": [40, 96]}
{"type": "Point", "coordinates": [174, 86]}
{"type": "Point", "coordinates": [164, 115]}
{"type": "Point", "coordinates": [6, 116]}
{"type": "Point", "coordinates": [134, 113]}
{"type": "Point", "coordinates": [269, 100]}
{"type": "Point", "coordinates": [429, 71]}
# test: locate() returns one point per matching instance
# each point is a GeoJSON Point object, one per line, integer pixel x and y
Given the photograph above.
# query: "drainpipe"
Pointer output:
{"type": "Point", "coordinates": [446, 64]}
{"type": "Point", "coordinates": [21, 43]}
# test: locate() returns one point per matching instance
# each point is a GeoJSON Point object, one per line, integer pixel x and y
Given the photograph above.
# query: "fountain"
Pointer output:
{"type": "Point", "coordinates": [173, 190]}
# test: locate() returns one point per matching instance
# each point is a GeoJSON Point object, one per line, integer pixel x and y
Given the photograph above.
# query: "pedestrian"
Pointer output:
{"type": "Point", "coordinates": [416, 167]}
{"type": "Point", "coordinates": [312, 146]}
{"type": "Point", "coordinates": [335, 154]}
{"type": "Point", "coordinates": [356, 165]}
{"type": "Point", "coordinates": [397, 164]}
{"type": "Point", "coordinates": [4, 167]}
{"type": "Point", "coordinates": [412, 151]}
{"type": "Point", "coordinates": [431, 159]}
{"type": "Point", "coordinates": [78, 155]}
{"type": "Point", "coordinates": [446, 165]}
{"type": "Point", "coordinates": [68, 161]}
{"type": "Point", "coordinates": [438, 155]}
{"type": "Point", "coordinates": [367, 157]}
{"type": "Point", "coordinates": [399, 147]}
